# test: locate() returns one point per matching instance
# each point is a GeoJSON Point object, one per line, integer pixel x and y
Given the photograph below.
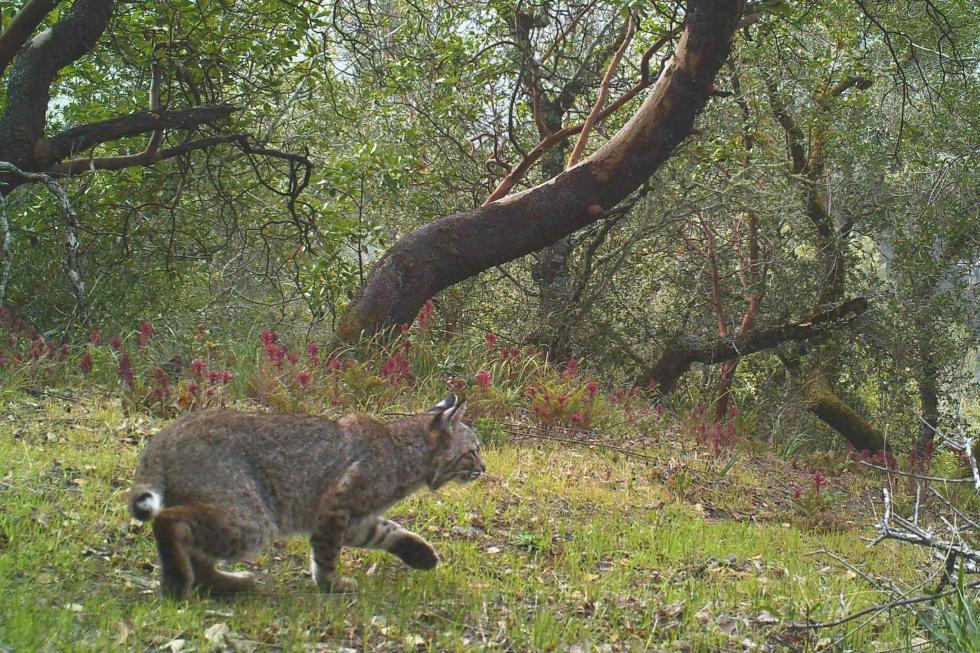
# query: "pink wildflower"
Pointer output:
{"type": "Point", "coordinates": [818, 480]}
{"type": "Point", "coordinates": [571, 367]}
{"type": "Point", "coordinates": [85, 364]}
{"type": "Point", "coordinates": [275, 353]}
{"type": "Point", "coordinates": [95, 337]}
{"type": "Point", "coordinates": [396, 368]}
{"type": "Point", "coordinates": [145, 333]}
{"type": "Point", "coordinates": [313, 350]}
{"type": "Point", "coordinates": [292, 358]}
{"type": "Point", "coordinates": [199, 368]}
{"type": "Point", "coordinates": [491, 339]}
{"type": "Point", "coordinates": [161, 377]}
{"type": "Point", "coordinates": [125, 370]}
{"type": "Point", "coordinates": [425, 315]}
{"type": "Point", "coordinates": [484, 379]}
{"type": "Point", "coordinates": [304, 378]}
{"type": "Point", "coordinates": [269, 337]}
{"type": "Point", "coordinates": [591, 389]}
{"type": "Point", "coordinates": [115, 343]}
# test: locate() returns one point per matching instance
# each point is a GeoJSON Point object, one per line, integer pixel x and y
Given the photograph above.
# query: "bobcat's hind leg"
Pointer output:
{"type": "Point", "coordinates": [172, 530]}
{"type": "Point", "coordinates": [213, 581]}
{"type": "Point", "coordinates": [388, 535]}
{"type": "Point", "coordinates": [191, 536]}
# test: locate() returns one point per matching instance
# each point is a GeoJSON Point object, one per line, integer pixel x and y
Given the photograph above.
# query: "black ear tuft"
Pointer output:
{"type": "Point", "coordinates": [443, 405]}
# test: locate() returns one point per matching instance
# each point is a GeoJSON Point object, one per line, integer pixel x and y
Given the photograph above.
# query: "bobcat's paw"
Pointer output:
{"type": "Point", "coordinates": [337, 584]}
{"type": "Point", "coordinates": [415, 552]}
{"type": "Point", "coordinates": [174, 588]}
{"type": "Point", "coordinates": [331, 581]}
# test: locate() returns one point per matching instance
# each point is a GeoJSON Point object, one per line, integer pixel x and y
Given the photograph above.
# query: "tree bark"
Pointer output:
{"type": "Point", "coordinates": [676, 360]}
{"type": "Point", "coordinates": [551, 269]}
{"type": "Point", "coordinates": [460, 246]}
{"type": "Point", "coordinates": [21, 27]}
{"type": "Point", "coordinates": [34, 70]}
{"type": "Point", "coordinates": [929, 403]}
{"type": "Point", "coordinates": [828, 407]}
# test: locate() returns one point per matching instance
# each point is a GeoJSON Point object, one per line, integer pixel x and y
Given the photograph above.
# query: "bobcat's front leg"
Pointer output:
{"type": "Point", "coordinates": [326, 541]}
{"type": "Point", "coordinates": [387, 535]}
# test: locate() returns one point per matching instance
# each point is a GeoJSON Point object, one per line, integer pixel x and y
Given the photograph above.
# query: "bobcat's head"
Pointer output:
{"type": "Point", "coordinates": [456, 454]}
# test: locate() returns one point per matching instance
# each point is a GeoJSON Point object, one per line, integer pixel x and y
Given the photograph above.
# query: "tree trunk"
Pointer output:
{"type": "Point", "coordinates": [827, 406]}
{"type": "Point", "coordinates": [456, 247]}
{"type": "Point", "coordinates": [929, 404]}
{"type": "Point", "coordinates": [551, 269]}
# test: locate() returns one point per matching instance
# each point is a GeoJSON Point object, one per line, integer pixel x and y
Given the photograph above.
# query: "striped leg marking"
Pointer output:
{"type": "Point", "coordinates": [387, 535]}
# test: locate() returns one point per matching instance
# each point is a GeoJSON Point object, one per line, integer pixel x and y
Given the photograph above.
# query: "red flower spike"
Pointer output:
{"type": "Point", "coordinates": [313, 350]}
{"type": "Point", "coordinates": [125, 370]}
{"type": "Point", "coordinates": [571, 367]}
{"type": "Point", "coordinates": [85, 364]}
{"type": "Point", "coordinates": [269, 337]}
{"type": "Point", "coordinates": [199, 368]}
{"type": "Point", "coordinates": [484, 379]}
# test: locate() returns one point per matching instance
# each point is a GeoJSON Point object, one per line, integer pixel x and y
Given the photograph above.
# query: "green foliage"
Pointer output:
{"type": "Point", "coordinates": [953, 623]}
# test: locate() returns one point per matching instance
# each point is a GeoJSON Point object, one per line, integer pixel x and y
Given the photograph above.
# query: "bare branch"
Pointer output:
{"type": "Point", "coordinates": [77, 139]}
{"type": "Point", "coordinates": [590, 121]}
{"type": "Point", "coordinates": [69, 224]}
{"type": "Point", "coordinates": [21, 28]}
{"type": "Point", "coordinates": [6, 248]}
{"type": "Point", "coordinates": [76, 166]}
{"type": "Point", "coordinates": [677, 359]}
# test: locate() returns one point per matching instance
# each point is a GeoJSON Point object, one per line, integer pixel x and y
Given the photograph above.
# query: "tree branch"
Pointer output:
{"type": "Point", "coordinates": [456, 247]}
{"type": "Point", "coordinates": [590, 121]}
{"type": "Point", "coordinates": [83, 137]}
{"type": "Point", "coordinates": [103, 163]}
{"type": "Point", "coordinates": [21, 28]}
{"type": "Point", "coordinates": [517, 172]}
{"type": "Point", "coordinates": [34, 70]}
{"type": "Point", "coordinates": [677, 359]}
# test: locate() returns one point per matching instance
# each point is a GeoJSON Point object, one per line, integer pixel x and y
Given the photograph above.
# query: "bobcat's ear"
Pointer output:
{"type": "Point", "coordinates": [444, 405]}
{"type": "Point", "coordinates": [448, 414]}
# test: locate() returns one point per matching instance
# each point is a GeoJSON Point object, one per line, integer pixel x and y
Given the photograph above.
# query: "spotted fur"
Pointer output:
{"type": "Point", "coordinates": [222, 485]}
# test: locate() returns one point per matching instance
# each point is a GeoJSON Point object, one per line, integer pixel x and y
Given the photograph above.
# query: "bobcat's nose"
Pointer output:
{"type": "Point", "coordinates": [478, 470]}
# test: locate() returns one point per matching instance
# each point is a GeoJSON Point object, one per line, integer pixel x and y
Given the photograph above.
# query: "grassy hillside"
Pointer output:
{"type": "Point", "coordinates": [557, 549]}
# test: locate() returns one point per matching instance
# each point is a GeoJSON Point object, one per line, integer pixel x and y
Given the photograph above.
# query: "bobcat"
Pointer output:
{"type": "Point", "coordinates": [222, 485]}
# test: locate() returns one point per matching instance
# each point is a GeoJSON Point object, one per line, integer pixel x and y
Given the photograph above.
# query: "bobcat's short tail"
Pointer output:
{"type": "Point", "coordinates": [145, 502]}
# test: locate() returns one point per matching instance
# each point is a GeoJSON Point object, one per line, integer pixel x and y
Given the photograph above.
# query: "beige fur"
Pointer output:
{"type": "Point", "coordinates": [222, 485]}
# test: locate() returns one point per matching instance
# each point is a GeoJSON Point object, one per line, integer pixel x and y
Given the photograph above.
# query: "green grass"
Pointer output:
{"type": "Point", "coordinates": [555, 549]}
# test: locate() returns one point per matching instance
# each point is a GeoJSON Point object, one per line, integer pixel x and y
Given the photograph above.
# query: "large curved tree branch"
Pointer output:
{"type": "Point", "coordinates": [34, 70]}
{"type": "Point", "coordinates": [460, 246]}
{"type": "Point", "coordinates": [21, 28]}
